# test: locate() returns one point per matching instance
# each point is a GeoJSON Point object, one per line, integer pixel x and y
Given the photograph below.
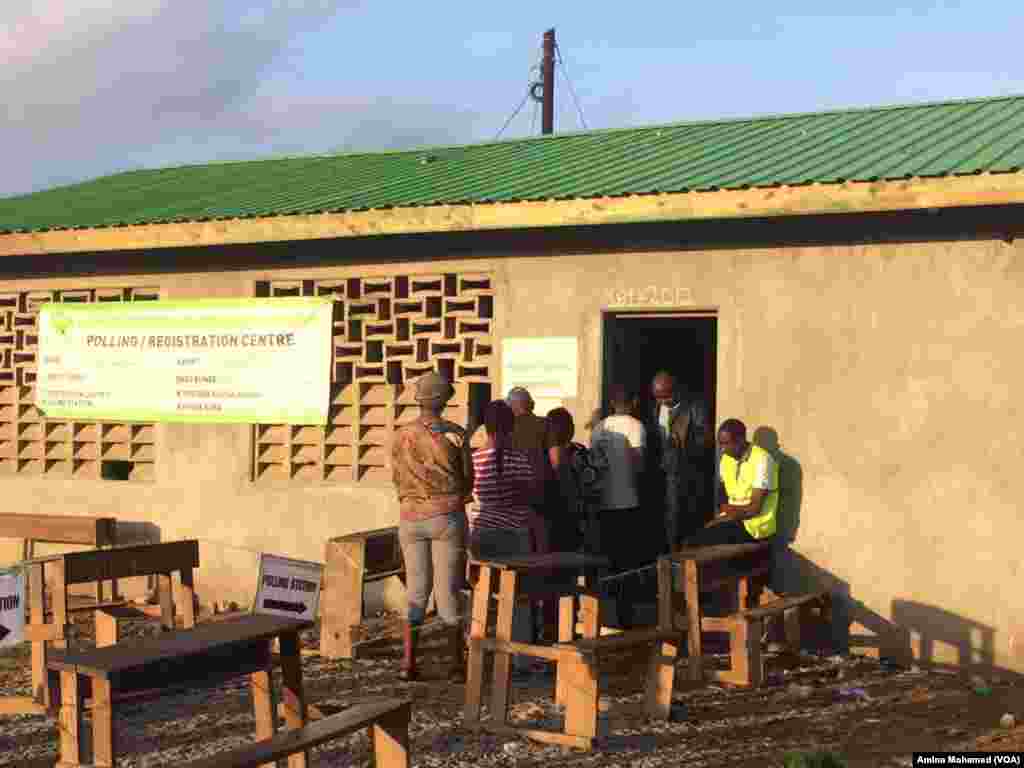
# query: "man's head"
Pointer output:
{"type": "Point", "coordinates": [433, 392]}
{"type": "Point", "coordinates": [520, 401]}
{"type": "Point", "coordinates": [560, 426]}
{"type": "Point", "coordinates": [732, 438]}
{"type": "Point", "coordinates": [623, 401]}
{"type": "Point", "coordinates": [663, 388]}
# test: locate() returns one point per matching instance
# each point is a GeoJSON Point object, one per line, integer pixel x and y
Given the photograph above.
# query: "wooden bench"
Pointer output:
{"type": "Point", "coordinates": [98, 532]}
{"type": "Point", "coordinates": [577, 660]}
{"type": "Point", "coordinates": [202, 657]}
{"type": "Point", "coordinates": [741, 572]}
{"type": "Point", "coordinates": [160, 560]}
{"type": "Point", "coordinates": [352, 562]}
{"type": "Point", "coordinates": [103, 565]}
{"type": "Point", "coordinates": [387, 721]}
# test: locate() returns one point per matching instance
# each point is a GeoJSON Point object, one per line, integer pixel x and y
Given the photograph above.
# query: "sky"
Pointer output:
{"type": "Point", "coordinates": [93, 87]}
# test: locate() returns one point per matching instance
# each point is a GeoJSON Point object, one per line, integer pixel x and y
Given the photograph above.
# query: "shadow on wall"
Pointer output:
{"type": "Point", "coordinates": [791, 484]}
{"type": "Point", "coordinates": [910, 637]}
{"type": "Point", "coordinates": [855, 627]}
{"type": "Point", "coordinates": [973, 643]}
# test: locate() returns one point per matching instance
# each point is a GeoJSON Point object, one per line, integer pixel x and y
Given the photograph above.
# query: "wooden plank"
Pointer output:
{"type": "Point", "coordinates": [363, 535]}
{"type": "Point", "coordinates": [342, 603]}
{"type": "Point", "coordinates": [59, 529]}
{"type": "Point", "coordinates": [719, 552]}
{"type": "Point", "coordinates": [37, 615]}
{"type": "Point", "coordinates": [791, 621]}
{"type": "Point", "coordinates": [719, 623]}
{"type": "Point", "coordinates": [127, 562]}
{"type": "Point", "coordinates": [90, 604]}
{"type": "Point", "coordinates": [293, 698]}
{"type": "Point", "coordinates": [661, 676]}
{"type": "Point", "coordinates": [477, 631]}
{"type": "Point", "coordinates": [502, 661]}
{"type": "Point", "coordinates": [713, 584]}
{"type": "Point", "coordinates": [390, 735]}
{"type": "Point", "coordinates": [811, 199]}
{"type": "Point", "coordinates": [314, 735]}
{"type": "Point", "coordinates": [165, 592]}
{"type": "Point", "coordinates": [188, 598]}
{"type": "Point", "coordinates": [691, 588]}
{"type": "Point", "coordinates": [104, 742]}
{"type": "Point", "coordinates": [755, 665]}
{"type": "Point", "coordinates": [70, 723]}
{"type": "Point", "coordinates": [369, 577]}
{"type": "Point", "coordinates": [21, 705]}
{"type": "Point", "coordinates": [60, 598]}
{"type": "Point", "coordinates": [581, 695]}
{"type": "Point", "coordinates": [549, 652]}
{"type": "Point", "coordinates": [383, 552]}
{"type": "Point", "coordinates": [581, 700]}
{"type": "Point", "coordinates": [779, 606]}
{"type": "Point", "coordinates": [193, 672]}
{"type": "Point", "coordinates": [108, 628]}
{"type": "Point", "coordinates": [666, 611]}
{"type": "Point", "coordinates": [137, 654]}
{"type": "Point", "coordinates": [261, 684]}
{"type": "Point", "coordinates": [739, 653]}
{"type": "Point", "coordinates": [566, 634]}
{"type": "Point", "coordinates": [627, 639]}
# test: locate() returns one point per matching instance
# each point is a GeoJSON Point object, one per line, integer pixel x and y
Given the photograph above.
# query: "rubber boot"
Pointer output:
{"type": "Point", "coordinates": [457, 654]}
{"type": "Point", "coordinates": [410, 636]}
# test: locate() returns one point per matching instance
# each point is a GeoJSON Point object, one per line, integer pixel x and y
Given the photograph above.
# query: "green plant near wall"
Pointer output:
{"type": "Point", "coordinates": [820, 759]}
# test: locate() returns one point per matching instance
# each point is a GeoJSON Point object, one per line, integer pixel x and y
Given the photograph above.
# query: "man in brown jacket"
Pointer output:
{"type": "Point", "coordinates": [432, 473]}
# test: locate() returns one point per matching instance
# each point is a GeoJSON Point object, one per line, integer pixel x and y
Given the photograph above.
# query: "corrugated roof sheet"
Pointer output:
{"type": "Point", "coordinates": [898, 142]}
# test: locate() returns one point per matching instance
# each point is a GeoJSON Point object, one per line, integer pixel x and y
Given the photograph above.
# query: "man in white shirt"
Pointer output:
{"type": "Point", "coordinates": [619, 442]}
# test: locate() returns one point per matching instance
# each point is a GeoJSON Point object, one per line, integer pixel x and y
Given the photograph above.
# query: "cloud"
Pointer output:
{"type": "Point", "coordinates": [93, 87]}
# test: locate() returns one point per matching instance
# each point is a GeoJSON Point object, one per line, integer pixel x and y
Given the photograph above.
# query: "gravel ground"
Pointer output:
{"type": "Point", "coordinates": [870, 714]}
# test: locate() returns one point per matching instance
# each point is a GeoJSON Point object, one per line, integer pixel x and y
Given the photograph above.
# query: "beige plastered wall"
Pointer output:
{"type": "Point", "coordinates": [890, 374]}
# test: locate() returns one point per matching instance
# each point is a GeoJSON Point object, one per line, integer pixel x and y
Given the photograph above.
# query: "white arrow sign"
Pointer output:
{"type": "Point", "coordinates": [12, 607]}
{"type": "Point", "coordinates": [289, 588]}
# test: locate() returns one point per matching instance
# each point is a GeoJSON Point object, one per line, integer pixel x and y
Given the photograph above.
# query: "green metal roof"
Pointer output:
{"type": "Point", "coordinates": [897, 142]}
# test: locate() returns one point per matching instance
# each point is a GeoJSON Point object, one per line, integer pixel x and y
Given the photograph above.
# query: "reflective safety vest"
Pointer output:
{"type": "Point", "coordinates": [738, 478]}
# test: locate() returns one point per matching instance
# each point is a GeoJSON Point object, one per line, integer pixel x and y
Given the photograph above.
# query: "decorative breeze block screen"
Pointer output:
{"type": "Point", "coordinates": [33, 445]}
{"type": "Point", "coordinates": [387, 332]}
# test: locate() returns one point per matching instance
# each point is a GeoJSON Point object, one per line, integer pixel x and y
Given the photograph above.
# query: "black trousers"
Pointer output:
{"type": "Point", "coordinates": [623, 542]}
{"type": "Point", "coordinates": [732, 532]}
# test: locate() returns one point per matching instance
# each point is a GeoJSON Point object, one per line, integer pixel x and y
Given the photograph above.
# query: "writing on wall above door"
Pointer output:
{"type": "Point", "coordinates": [649, 296]}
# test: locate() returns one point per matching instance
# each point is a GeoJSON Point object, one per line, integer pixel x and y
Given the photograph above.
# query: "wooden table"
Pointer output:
{"type": "Point", "coordinates": [205, 656]}
{"type": "Point", "coordinates": [529, 578]}
{"type": "Point", "coordinates": [740, 569]}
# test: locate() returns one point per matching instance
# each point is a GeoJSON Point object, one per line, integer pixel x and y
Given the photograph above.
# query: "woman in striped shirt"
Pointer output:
{"type": "Point", "coordinates": [504, 482]}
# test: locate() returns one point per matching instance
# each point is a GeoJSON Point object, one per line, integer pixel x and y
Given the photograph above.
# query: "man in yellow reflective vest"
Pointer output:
{"type": "Point", "coordinates": [749, 483]}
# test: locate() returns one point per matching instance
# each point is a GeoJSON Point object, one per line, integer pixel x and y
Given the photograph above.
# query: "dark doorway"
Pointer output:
{"type": "Point", "coordinates": [639, 344]}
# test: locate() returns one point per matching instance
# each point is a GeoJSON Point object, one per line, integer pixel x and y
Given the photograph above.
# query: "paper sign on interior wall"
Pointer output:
{"type": "Point", "coordinates": [289, 588]}
{"type": "Point", "coordinates": [547, 367]}
{"type": "Point", "coordinates": [245, 361]}
{"type": "Point", "coordinates": [12, 607]}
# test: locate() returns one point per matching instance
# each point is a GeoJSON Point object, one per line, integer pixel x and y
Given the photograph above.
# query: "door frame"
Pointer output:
{"type": "Point", "coordinates": [609, 316]}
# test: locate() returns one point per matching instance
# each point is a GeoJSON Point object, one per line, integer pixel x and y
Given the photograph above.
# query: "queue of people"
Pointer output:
{"type": "Point", "coordinates": [519, 484]}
